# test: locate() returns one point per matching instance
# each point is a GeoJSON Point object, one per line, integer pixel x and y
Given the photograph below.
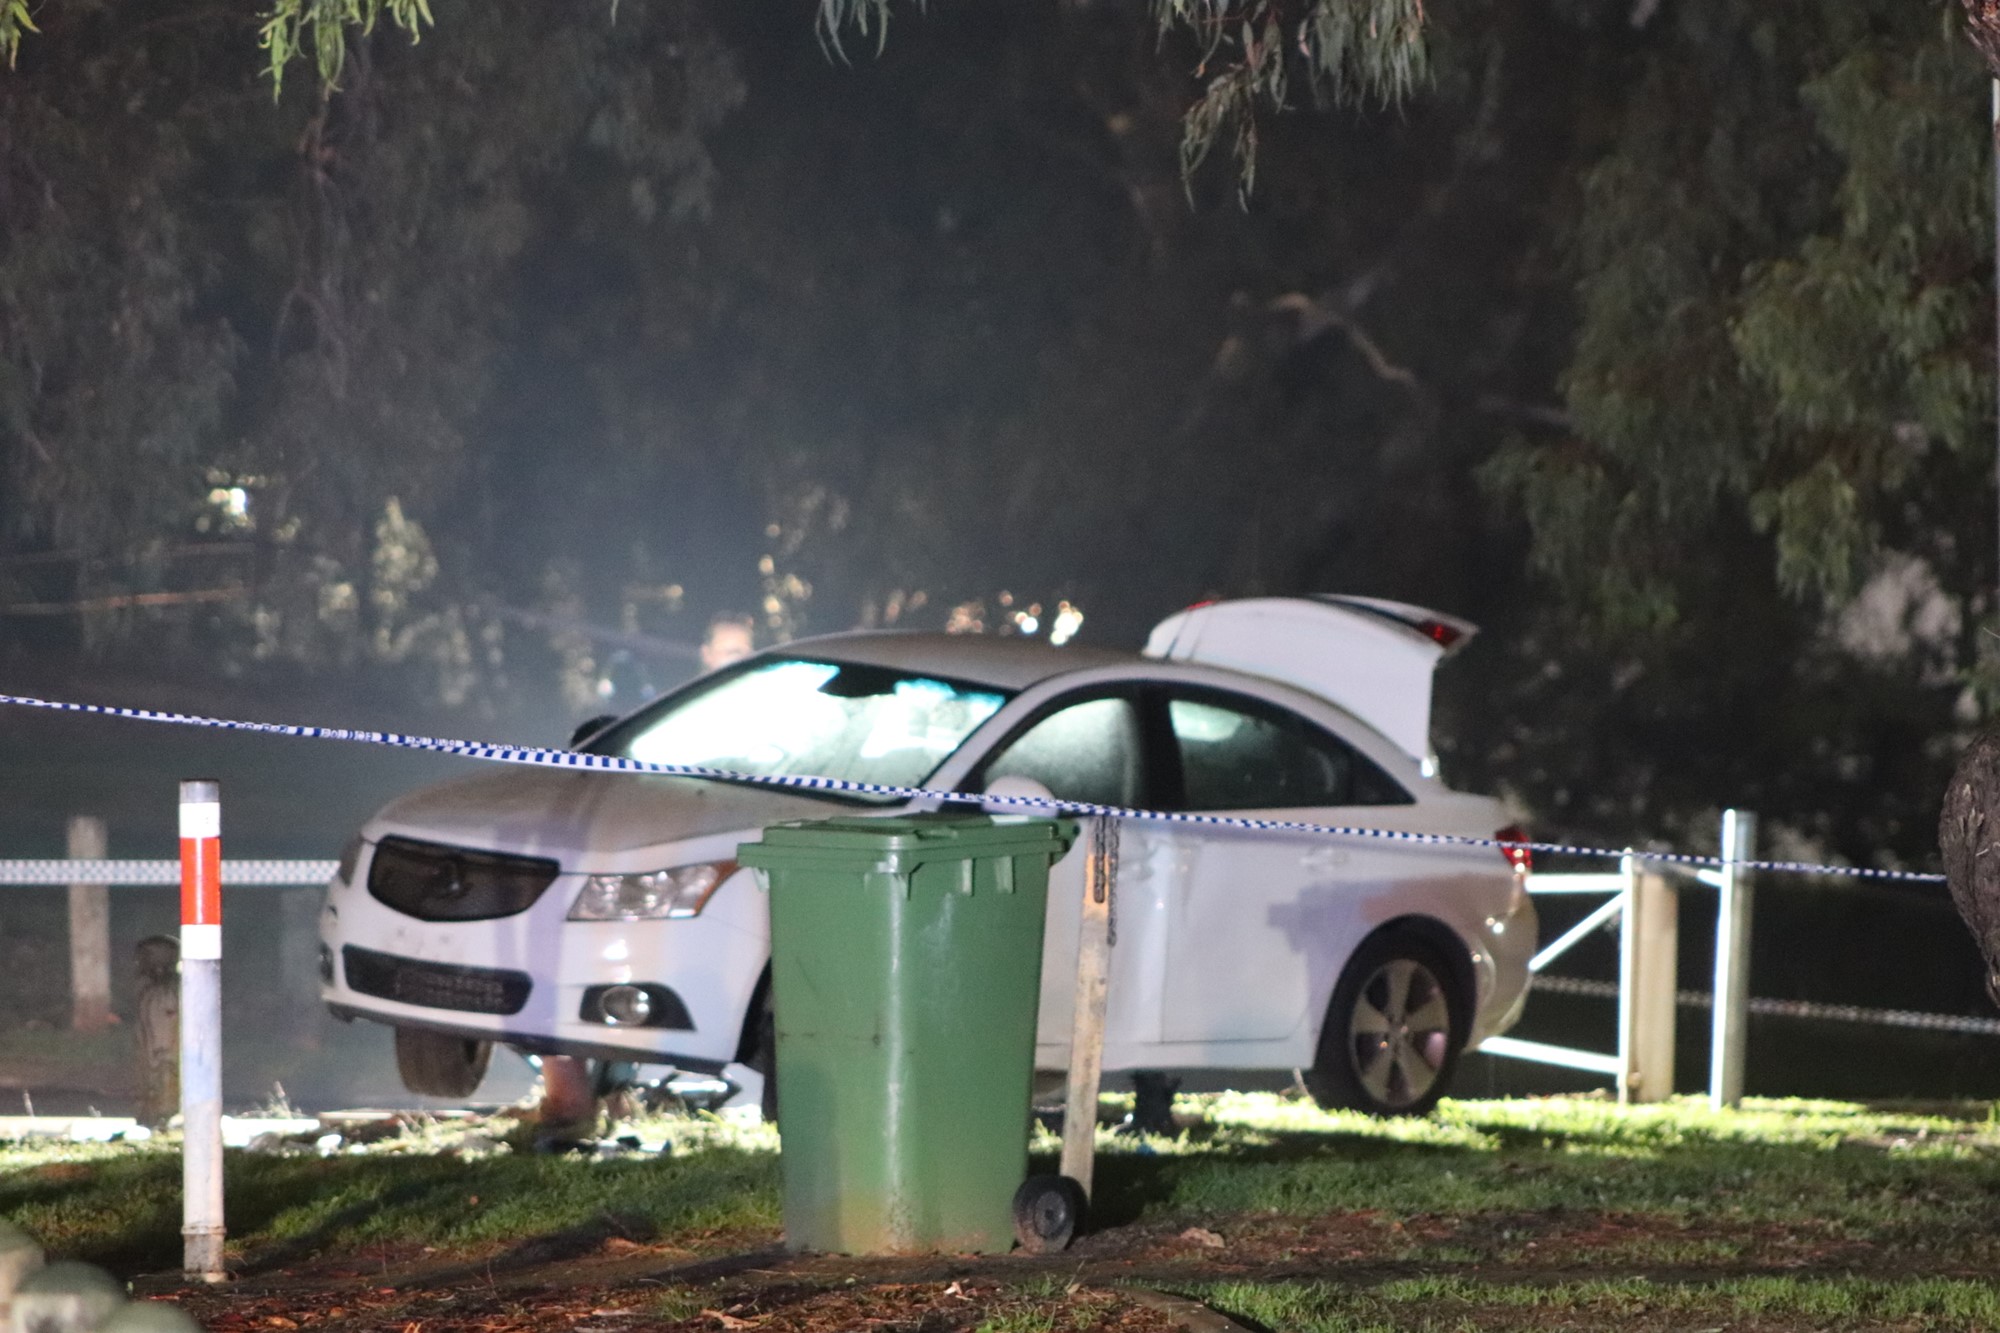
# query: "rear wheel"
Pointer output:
{"type": "Point", "coordinates": [437, 1064]}
{"type": "Point", "coordinates": [1394, 1028]}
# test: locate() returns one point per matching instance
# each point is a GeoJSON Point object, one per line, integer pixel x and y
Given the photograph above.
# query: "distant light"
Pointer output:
{"type": "Point", "coordinates": [1068, 620]}
{"type": "Point", "coordinates": [234, 502]}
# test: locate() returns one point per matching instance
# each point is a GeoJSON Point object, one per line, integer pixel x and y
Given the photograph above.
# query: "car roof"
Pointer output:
{"type": "Point", "coordinates": [1009, 662]}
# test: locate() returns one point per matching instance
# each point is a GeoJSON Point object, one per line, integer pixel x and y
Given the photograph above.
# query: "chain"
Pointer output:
{"type": "Point", "coordinates": [1834, 1013]}
{"type": "Point", "coordinates": [267, 874]}
{"type": "Point", "coordinates": [1104, 850]}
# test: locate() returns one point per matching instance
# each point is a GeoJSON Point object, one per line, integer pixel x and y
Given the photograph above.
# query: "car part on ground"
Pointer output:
{"type": "Point", "coordinates": [438, 1064]}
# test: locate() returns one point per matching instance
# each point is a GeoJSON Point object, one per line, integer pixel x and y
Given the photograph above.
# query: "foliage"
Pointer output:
{"type": "Point", "coordinates": [1775, 328]}
{"type": "Point", "coordinates": [1349, 50]}
{"type": "Point", "coordinates": [15, 19]}
{"type": "Point", "coordinates": [293, 27]}
{"type": "Point", "coordinates": [305, 309]}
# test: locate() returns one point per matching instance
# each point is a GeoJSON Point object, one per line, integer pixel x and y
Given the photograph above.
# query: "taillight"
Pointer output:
{"type": "Point", "coordinates": [1439, 633]}
{"type": "Point", "coordinates": [1519, 855]}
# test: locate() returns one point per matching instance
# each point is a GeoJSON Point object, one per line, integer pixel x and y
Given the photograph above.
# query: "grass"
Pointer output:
{"type": "Point", "coordinates": [1452, 1303]}
{"type": "Point", "coordinates": [120, 1205]}
{"type": "Point", "coordinates": [1561, 1212]}
{"type": "Point", "coordinates": [1893, 1176]}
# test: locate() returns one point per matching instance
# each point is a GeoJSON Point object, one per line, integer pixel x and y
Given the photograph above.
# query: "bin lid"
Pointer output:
{"type": "Point", "coordinates": [909, 840]}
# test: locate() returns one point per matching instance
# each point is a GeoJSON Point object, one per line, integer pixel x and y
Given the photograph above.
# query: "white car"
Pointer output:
{"type": "Point", "coordinates": [604, 915]}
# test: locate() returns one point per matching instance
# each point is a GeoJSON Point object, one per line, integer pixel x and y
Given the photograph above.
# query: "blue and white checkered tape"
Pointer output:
{"type": "Point", "coordinates": [573, 759]}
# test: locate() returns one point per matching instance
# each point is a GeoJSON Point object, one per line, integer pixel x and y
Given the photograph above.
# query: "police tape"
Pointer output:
{"type": "Point", "coordinates": [538, 756]}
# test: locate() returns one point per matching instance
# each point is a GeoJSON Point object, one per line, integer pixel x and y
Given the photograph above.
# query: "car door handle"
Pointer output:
{"type": "Point", "coordinates": [1324, 858]}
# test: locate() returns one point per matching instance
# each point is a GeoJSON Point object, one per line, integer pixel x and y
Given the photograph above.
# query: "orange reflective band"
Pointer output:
{"type": "Point", "coordinates": [201, 881]}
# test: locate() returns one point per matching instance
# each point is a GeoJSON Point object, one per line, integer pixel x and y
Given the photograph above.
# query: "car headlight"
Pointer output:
{"type": "Point", "coordinates": [680, 892]}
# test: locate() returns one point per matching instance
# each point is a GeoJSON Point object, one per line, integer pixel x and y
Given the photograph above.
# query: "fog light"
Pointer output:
{"type": "Point", "coordinates": [326, 965]}
{"type": "Point", "coordinates": [627, 1006]}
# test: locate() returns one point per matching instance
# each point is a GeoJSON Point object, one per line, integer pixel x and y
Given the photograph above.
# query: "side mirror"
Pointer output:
{"type": "Point", "coordinates": [1019, 787]}
{"type": "Point", "coordinates": [585, 730]}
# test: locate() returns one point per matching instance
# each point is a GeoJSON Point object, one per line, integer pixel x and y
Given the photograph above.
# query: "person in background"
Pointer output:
{"type": "Point", "coordinates": [731, 637]}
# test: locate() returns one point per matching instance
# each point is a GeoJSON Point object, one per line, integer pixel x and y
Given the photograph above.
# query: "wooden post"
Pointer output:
{"type": "Point", "coordinates": [89, 934]}
{"type": "Point", "coordinates": [157, 962]}
{"type": "Point", "coordinates": [1731, 1031]}
{"type": "Point", "coordinates": [1086, 1042]}
{"type": "Point", "coordinates": [1649, 957]}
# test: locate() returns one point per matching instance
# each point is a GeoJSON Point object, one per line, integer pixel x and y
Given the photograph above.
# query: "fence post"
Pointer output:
{"type": "Point", "coordinates": [1730, 1035]}
{"type": "Point", "coordinates": [89, 933]}
{"type": "Point", "coordinates": [1652, 920]}
{"type": "Point", "coordinates": [201, 1030]}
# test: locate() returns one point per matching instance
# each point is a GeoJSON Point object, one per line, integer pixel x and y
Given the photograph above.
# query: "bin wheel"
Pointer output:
{"type": "Point", "coordinates": [1047, 1212]}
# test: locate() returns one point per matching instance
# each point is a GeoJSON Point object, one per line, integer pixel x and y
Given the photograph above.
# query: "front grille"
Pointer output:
{"type": "Point", "coordinates": [476, 990]}
{"type": "Point", "coordinates": [436, 883]}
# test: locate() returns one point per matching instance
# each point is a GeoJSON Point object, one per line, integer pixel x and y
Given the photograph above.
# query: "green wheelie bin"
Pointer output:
{"type": "Point", "coordinates": [906, 961]}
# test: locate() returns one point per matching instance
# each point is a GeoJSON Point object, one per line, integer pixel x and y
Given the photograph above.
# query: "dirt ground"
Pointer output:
{"type": "Point", "coordinates": [601, 1281]}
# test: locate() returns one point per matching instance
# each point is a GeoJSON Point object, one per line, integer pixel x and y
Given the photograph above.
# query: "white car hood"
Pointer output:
{"type": "Point", "coordinates": [572, 816]}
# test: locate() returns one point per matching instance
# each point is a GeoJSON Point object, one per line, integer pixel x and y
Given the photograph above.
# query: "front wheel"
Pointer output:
{"type": "Point", "coordinates": [437, 1064]}
{"type": "Point", "coordinates": [1394, 1028]}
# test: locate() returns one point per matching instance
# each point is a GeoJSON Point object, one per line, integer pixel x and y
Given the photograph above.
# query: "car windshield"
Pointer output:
{"type": "Point", "coordinates": [802, 718]}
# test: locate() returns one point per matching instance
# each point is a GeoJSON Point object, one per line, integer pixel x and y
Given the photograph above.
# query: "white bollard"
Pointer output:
{"type": "Point", "coordinates": [1730, 1033]}
{"type": "Point", "coordinates": [149, 1317]}
{"type": "Point", "coordinates": [19, 1257]}
{"type": "Point", "coordinates": [66, 1298]}
{"type": "Point", "coordinates": [201, 1030]}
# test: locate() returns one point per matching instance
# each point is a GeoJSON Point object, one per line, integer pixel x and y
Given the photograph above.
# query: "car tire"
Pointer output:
{"type": "Point", "coordinates": [1393, 1030]}
{"type": "Point", "coordinates": [437, 1064]}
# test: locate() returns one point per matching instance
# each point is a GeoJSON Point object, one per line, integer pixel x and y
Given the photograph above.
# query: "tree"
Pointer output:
{"type": "Point", "coordinates": [304, 308]}
{"type": "Point", "coordinates": [1249, 51]}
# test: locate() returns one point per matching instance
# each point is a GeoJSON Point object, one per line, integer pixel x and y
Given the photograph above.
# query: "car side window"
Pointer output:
{"type": "Point", "coordinates": [1242, 759]}
{"type": "Point", "coordinates": [1086, 752]}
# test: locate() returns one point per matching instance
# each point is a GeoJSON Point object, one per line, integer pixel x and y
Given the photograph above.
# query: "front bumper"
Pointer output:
{"type": "Point", "coordinates": [535, 981]}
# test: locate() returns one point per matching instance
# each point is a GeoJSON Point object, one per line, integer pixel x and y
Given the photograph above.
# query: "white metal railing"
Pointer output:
{"type": "Point", "coordinates": [1643, 903]}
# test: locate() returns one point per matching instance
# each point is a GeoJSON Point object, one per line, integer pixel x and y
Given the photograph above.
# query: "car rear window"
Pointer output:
{"type": "Point", "coordinates": [1250, 759]}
